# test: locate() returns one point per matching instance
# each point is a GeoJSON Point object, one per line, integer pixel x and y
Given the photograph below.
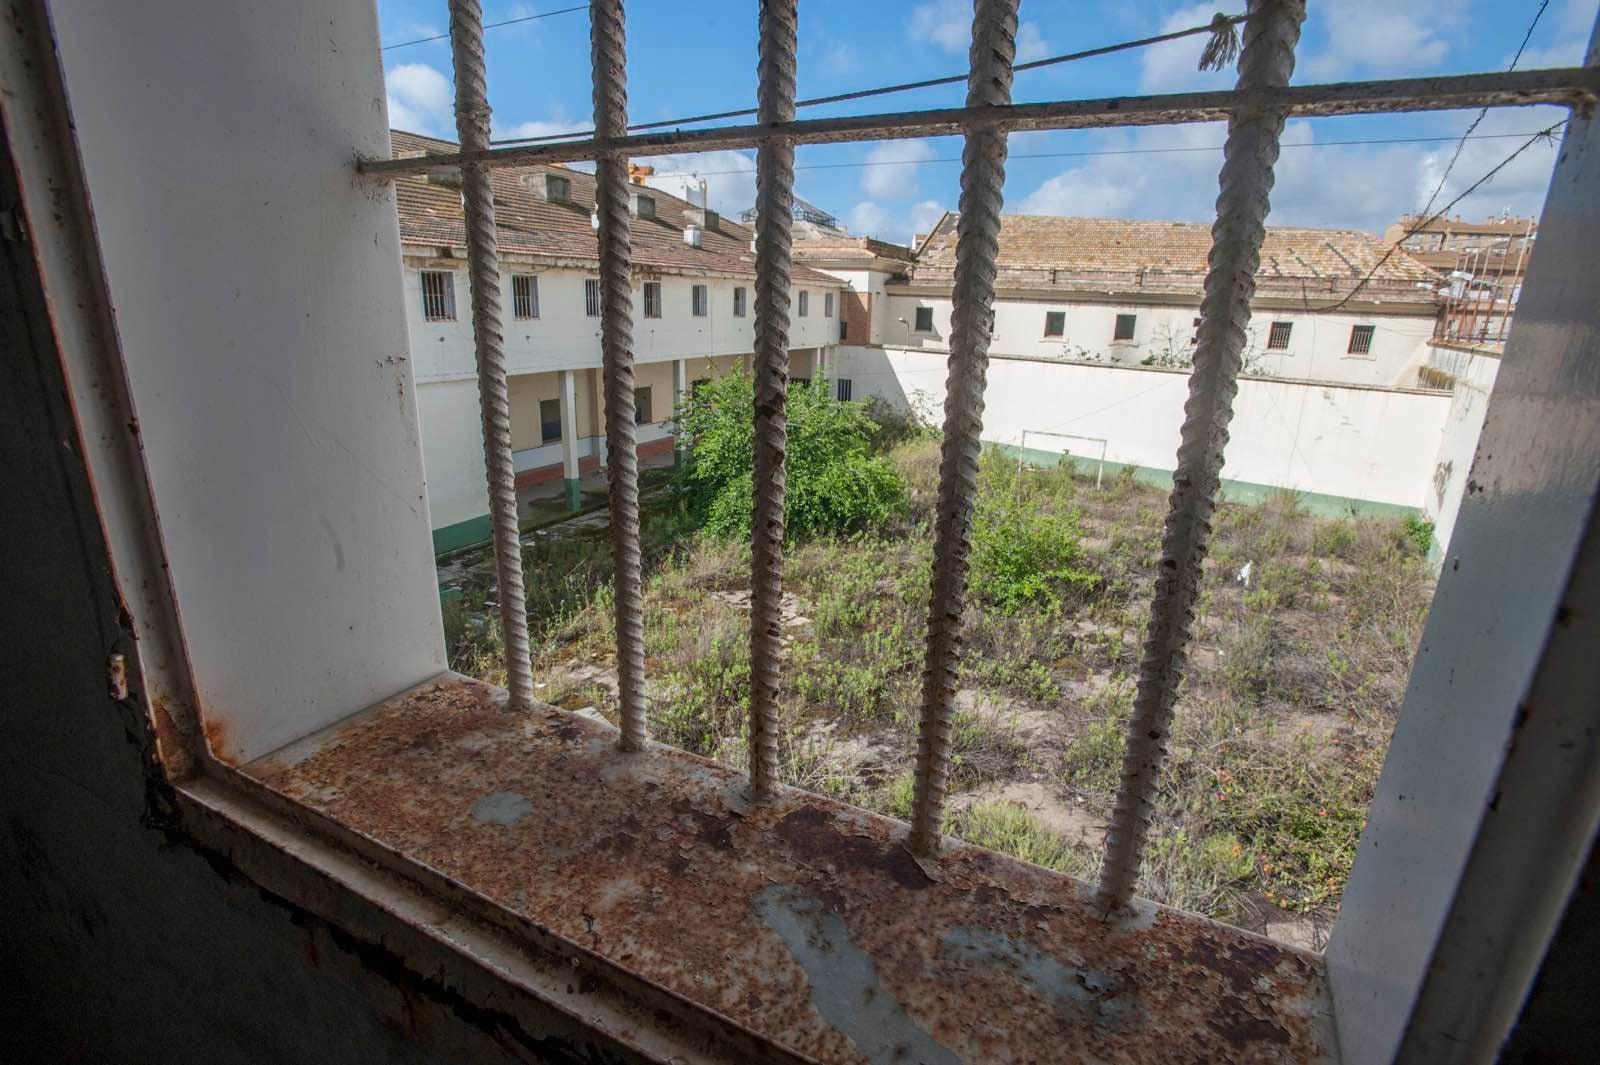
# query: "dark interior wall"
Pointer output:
{"type": "Point", "coordinates": [119, 941]}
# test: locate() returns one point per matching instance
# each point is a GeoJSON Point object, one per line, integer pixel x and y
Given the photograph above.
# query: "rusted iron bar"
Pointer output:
{"type": "Point", "coordinates": [609, 55]}
{"type": "Point", "coordinates": [483, 262]}
{"type": "Point", "coordinates": [1574, 86]}
{"type": "Point", "coordinates": [1270, 35]}
{"type": "Point", "coordinates": [983, 175]}
{"type": "Point", "coordinates": [774, 198]}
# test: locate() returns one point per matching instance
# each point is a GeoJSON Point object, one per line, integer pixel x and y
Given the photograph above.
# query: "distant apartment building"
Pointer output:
{"type": "Point", "coordinates": [1479, 266]}
{"type": "Point", "coordinates": [693, 318]}
{"type": "Point", "coordinates": [1125, 292]}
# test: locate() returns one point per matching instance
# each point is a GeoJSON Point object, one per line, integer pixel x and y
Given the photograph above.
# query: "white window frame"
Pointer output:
{"type": "Point", "coordinates": [827, 305]}
{"type": "Point", "coordinates": [803, 307]}
{"type": "Point", "coordinates": [741, 297]}
{"type": "Point", "coordinates": [699, 301]}
{"type": "Point", "coordinates": [652, 299]}
{"type": "Point", "coordinates": [1273, 336]}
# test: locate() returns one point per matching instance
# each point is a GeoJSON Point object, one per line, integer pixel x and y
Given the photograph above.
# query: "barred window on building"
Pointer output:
{"type": "Point", "coordinates": [438, 296]}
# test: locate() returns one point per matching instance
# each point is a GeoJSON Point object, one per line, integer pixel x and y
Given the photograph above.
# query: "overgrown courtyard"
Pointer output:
{"type": "Point", "coordinates": [1304, 638]}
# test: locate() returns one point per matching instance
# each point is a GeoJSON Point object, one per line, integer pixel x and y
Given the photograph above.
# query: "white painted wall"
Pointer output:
{"type": "Point", "coordinates": [564, 337]}
{"type": "Point", "coordinates": [868, 283]}
{"type": "Point", "coordinates": [1453, 465]}
{"type": "Point", "coordinates": [258, 297]}
{"type": "Point", "coordinates": [1318, 344]}
{"type": "Point", "coordinates": [1355, 442]}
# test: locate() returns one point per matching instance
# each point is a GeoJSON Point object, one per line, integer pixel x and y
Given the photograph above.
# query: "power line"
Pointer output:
{"type": "Point", "coordinates": [487, 26]}
{"type": "Point", "coordinates": [1107, 151]}
{"type": "Point", "coordinates": [1428, 220]}
{"type": "Point", "coordinates": [1218, 25]}
{"type": "Point", "coordinates": [1543, 134]}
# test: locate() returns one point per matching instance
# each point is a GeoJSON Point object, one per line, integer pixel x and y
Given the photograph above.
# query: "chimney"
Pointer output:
{"type": "Point", "coordinates": [691, 235]}
{"type": "Point", "coordinates": [703, 217]}
{"type": "Point", "coordinates": [917, 239]}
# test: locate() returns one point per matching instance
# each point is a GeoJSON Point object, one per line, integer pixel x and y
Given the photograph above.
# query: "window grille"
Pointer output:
{"type": "Point", "coordinates": [805, 300]}
{"type": "Point", "coordinates": [1360, 340]}
{"type": "Point", "coordinates": [739, 296]}
{"type": "Point", "coordinates": [1255, 110]}
{"type": "Point", "coordinates": [591, 297]}
{"type": "Point", "coordinates": [438, 296]}
{"type": "Point", "coordinates": [652, 299]}
{"type": "Point", "coordinates": [697, 301]}
{"type": "Point", "coordinates": [1123, 330]}
{"type": "Point", "coordinates": [525, 296]}
{"type": "Point", "coordinates": [842, 387]}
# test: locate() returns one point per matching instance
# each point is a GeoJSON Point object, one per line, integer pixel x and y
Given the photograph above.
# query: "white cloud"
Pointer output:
{"type": "Point", "coordinates": [1345, 186]}
{"type": "Point", "coordinates": [840, 58]}
{"type": "Point", "coordinates": [891, 170]}
{"type": "Point", "coordinates": [1520, 187]}
{"type": "Point", "coordinates": [1573, 22]}
{"type": "Point", "coordinates": [867, 219]}
{"type": "Point", "coordinates": [1031, 44]}
{"type": "Point", "coordinates": [420, 100]}
{"type": "Point", "coordinates": [1171, 65]}
{"type": "Point", "coordinates": [730, 178]}
{"type": "Point", "coordinates": [875, 220]}
{"type": "Point", "coordinates": [946, 23]}
{"type": "Point", "coordinates": [539, 128]}
{"type": "Point", "coordinates": [1376, 38]}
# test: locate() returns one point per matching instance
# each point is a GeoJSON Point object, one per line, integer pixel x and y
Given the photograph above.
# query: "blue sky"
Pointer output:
{"type": "Point", "coordinates": [697, 57]}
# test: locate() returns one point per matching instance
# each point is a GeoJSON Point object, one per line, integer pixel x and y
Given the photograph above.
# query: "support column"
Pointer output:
{"type": "Point", "coordinates": [570, 474]}
{"type": "Point", "coordinates": [680, 399]}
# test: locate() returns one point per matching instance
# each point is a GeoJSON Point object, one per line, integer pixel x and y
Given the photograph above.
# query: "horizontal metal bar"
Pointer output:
{"type": "Point", "coordinates": [1573, 86]}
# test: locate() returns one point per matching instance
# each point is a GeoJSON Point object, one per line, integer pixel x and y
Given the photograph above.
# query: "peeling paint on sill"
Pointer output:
{"type": "Point", "coordinates": [803, 919]}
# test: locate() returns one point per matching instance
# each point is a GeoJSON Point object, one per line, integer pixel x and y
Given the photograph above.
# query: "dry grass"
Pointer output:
{"type": "Point", "coordinates": [1283, 720]}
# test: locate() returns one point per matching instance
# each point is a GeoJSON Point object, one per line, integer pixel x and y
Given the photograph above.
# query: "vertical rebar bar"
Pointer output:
{"type": "Point", "coordinates": [983, 172]}
{"type": "Point", "coordinates": [483, 261]}
{"type": "Point", "coordinates": [1270, 34]}
{"type": "Point", "coordinates": [774, 221]}
{"type": "Point", "coordinates": [609, 54]}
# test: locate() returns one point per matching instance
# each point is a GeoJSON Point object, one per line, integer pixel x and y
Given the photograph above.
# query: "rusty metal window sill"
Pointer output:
{"type": "Point", "coordinates": [798, 929]}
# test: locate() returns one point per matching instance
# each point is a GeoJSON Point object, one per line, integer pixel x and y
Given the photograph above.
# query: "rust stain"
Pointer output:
{"type": "Point", "coordinates": [217, 741]}
{"type": "Point", "coordinates": [798, 917]}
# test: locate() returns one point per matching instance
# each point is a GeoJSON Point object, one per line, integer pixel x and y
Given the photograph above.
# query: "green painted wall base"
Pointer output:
{"type": "Point", "coordinates": [574, 487]}
{"type": "Point", "coordinates": [463, 534]}
{"type": "Point", "coordinates": [1233, 491]}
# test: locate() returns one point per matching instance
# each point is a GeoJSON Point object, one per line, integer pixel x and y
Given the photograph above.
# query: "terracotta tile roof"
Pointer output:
{"type": "Point", "coordinates": [1044, 250]}
{"type": "Point", "coordinates": [431, 215]}
{"type": "Point", "coordinates": [849, 247]}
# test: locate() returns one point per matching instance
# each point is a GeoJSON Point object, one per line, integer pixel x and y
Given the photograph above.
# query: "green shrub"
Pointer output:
{"type": "Point", "coordinates": [1011, 829]}
{"type": "Point", "coordinates": [1418, 534]}
{"type": "Point", "coordinates": [1024, 555]}
{"type": "Point", "coordinates": [836, 485]}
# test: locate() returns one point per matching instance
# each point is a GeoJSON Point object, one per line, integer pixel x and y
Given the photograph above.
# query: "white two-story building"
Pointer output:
{"type": "Point", "coordinates": [693, 317]}
{"type": "Point", "coordinates": [1126, 292]}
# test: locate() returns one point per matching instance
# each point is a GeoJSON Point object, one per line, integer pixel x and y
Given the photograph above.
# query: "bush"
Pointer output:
{"type": "Point", "coordinates": [1418, 534]}
{"type": "Point", "coordinates": [836, 485]}
{"type": "Point", "coordinates": [1023, 555]}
